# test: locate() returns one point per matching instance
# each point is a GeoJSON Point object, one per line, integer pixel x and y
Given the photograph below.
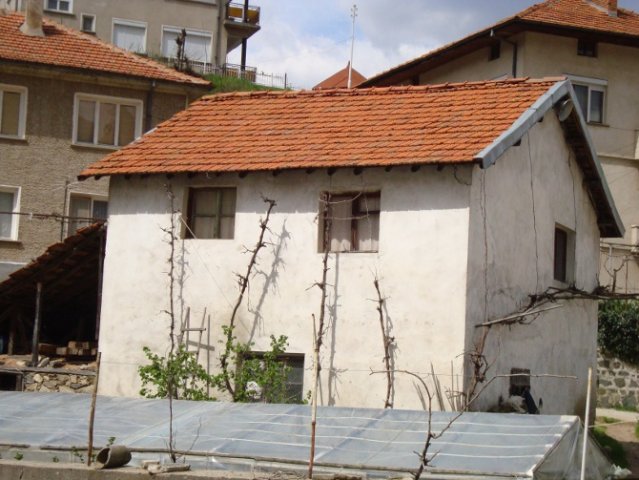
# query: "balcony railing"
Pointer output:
{"type": "Point", "coordinates": [249, 73]}
{"type": "Point", "coordinates": [235, 12]}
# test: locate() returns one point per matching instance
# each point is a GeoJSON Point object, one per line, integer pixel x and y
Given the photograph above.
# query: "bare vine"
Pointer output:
{"type": "Point", "coordinates": [243, 282]}
{"type": "Point", "coordinates": [388, 342]}
{"type": "Point", "coordinates": [319, 329]}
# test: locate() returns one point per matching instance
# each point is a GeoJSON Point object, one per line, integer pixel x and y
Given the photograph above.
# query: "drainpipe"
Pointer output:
{"type": "Point", "coordinates": [221, 15]}
{"type": "Point", "coordinates": [148, 111]}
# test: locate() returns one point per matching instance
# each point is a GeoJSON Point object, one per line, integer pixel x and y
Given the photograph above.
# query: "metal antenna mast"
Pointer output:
{"type": "Point", "coordinates": [350, 64]}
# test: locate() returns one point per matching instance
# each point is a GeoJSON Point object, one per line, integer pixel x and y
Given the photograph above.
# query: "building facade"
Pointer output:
{"type": "Point", "coordinates": [67, 100]}
{"type": "Point", "coordinates": [151, 27]}
{"type": "Point", "coordinates": [453, 208]}
{"type": "Point", "coordinates": [595, 44]}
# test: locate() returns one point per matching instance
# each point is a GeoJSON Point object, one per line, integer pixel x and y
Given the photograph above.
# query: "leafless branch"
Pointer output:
{"type": "Point", "coordinates": [387, 345]}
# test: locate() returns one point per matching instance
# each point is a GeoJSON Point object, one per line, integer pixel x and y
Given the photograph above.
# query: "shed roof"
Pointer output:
{"type": "Point", "coordinates": [576, 18]}
{"type": "Point", "coordinates": [64, 47]}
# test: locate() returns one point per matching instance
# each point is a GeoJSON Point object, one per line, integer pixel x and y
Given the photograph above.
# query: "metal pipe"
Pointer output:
{"type": "Point", "coordinates": [586, 423]}
{"type": "Point", "coordinates": [36, 327]}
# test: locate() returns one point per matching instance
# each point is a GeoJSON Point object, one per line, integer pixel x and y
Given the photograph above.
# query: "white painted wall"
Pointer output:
{"type": "Point", "coordinates": [511, 257]}
{"type": "Point", "coordinates": [421, 264]}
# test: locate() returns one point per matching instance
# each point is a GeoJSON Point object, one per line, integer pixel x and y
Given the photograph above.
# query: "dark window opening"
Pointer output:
{"type": "Point", "coordinates": [586, 48]}
{"type": "Point", "coordinates": [495, 51]}
{"type": "Point", "coordinates": [561, 255]}
{"type": "Point", "coordinates": [211, 213]}
{"type": "Point", "coordinates": [519, 381]}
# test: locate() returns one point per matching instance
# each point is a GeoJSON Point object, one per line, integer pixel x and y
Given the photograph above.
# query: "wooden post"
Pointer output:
{"type": "Point", "coordinates": [36, 327]}
{"type": "Point", "coordinates": [92, 411]}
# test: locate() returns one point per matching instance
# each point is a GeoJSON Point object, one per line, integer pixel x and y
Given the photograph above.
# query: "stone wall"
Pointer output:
{"type": "Point", "coordinates": [617, 382]}
{"type": "Point", "coordinates": [58, 382]}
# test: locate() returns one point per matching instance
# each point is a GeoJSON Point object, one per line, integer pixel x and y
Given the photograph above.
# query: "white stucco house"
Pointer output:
{"type": "Point", "coordinates": [463, 199]}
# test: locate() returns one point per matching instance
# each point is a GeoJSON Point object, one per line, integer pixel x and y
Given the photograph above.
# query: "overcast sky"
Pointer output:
{"type": "Point", "coordinates": [309, 40]}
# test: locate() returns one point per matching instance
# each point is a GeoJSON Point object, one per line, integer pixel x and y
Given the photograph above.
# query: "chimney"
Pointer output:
{"type": "Point", "coordinates": [32, 25]}
{"type": "Point", "coordinates": [612, 8]}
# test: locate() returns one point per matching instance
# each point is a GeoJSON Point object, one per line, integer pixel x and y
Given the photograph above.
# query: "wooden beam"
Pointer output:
{"type": "Point", "coordinates": [243, 174]}
{"type": "Point", "coordinates": [415, 168]}
{"type": "Point", "coordinates": [309, 171]}
{"type": "Point", "coordinates": [331, 171]}
{"type": "Point", "coordinates": [389, 168]}
{"type": "Point", "coordinates": [358, 170]}
{"type": "Point", "coordinates": [36, 327]}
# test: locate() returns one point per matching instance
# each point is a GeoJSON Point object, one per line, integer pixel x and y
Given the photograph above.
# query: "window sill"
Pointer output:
{"type": "Point", "coordinates": [13, 139]}
{"type": "Point", "coordinates": [596, 124]}
{"type": "Point", "coordinates": [10, 241]}
{"type": "Point", "coordinates": [60, 12]}
{"type": "Point", "coordinates": [90, 146]}
{"type": "Point", "coordinates": [351, 251]}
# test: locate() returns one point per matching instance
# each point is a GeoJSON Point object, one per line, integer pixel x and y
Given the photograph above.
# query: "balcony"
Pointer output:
{"type": "Point", "coordinates": [240, 24]}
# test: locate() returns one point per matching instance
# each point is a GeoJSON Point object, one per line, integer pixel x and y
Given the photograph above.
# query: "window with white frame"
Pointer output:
{"type": "Point", "coordinates": [353, 222]}
{"type": "Point", "coordinates": [9, 208]}
{"type": "Point", "coordinates": [85, 210]}
{"type": "Point", "coordinates": [197, 45]}
{"type": "Point", "coordinates": [591, 97]}
{"type": "Point", "coordinates": [211, 213]}
{"type": "Point", "coordinates": [129, 35]}
{"type": "Point", "coordinates": [106, 121]}
{"type": "Point", "coordinates": [13, 111]}
{"type": "Point", "coordinates": [64, 6]}
{"type": "Point", "coordinates": [88, 23]}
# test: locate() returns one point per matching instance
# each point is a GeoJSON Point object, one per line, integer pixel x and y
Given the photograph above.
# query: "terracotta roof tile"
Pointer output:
{"type": "Point", "coordinates": [65, 47]}
{"type": "Point", "coordinates": [340, 79]}
{"type": "Point", "coordinates": [336, 128]}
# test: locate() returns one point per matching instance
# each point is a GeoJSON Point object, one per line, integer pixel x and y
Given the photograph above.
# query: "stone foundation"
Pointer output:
{"type": "Point", "coordinates": [617, 383]}
{"type": "Point", "coordinates": [65, 382]}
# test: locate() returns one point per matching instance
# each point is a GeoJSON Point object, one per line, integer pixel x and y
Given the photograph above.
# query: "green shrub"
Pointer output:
{"type": "Point", "coordinates": [619, 329]}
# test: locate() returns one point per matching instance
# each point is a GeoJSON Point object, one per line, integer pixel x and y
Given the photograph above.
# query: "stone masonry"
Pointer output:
{"type": "Point", "coordinates": [617, 384]}
{"type": "Point", "coordinates": [58, 382]}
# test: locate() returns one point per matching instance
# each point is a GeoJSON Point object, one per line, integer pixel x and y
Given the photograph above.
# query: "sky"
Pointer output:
{"type": "Point", "coordinates": [309, 40]}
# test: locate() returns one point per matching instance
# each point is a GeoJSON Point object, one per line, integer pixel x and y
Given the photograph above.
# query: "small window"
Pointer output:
{"type": "Point", "coordinates": [591, 99]}
{"type": "Point", "coordinates": [354, 222]}
{"type": "Point", "coordinates": [9, 210]}
{"type": "Point", "coordinates": [13, 111]}
{"type": "Point", "coordinates": [211, 213]}
{"type": "Point", "coordinates": [197, 45]}
{"type": "Point", "coordinates": [519, 381]}
{"type": "Point", "coordinates": [85, 210]}
{"type": "Point", "coordinates": [294, 383]}
{"type": "Point", "coordinates": [129, 35]}
{"type": "Point", "coordinates": [586, 48]}
{"type": "Point", "coordinates": [495, 51]}
{"type": "Point", "coordinates": [106, 121]}
{"type": "Point", "coordinates": [564, 260]}
{"type": "Point", "coordinates": [64, 6]}
{"type": "Point", "coordinates": [88, 23]}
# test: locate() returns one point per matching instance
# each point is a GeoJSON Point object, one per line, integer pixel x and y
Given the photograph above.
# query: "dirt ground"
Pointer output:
{"type": "Point", "coordinates": [624, 433]}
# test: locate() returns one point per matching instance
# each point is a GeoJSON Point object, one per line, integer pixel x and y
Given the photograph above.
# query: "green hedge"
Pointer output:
{"type": "Point", "coordinates": [619, 329]}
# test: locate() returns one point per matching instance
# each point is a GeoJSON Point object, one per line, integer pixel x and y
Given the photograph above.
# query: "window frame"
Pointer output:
{"type": "Point", "coordinates": [568, 264]}
{"type": "Point", "coordinates": [593, 85]}
{"type": "Point", "coordinates": [94, 18]}
{"type": "Point", "coordinates": [22, 113]}
{"type": "Point", "coordinates": [57, 9]}
{"type": "Point", "coordinates": [93, 197]}
{"type": "Point", "coordinates": [587, 48]}
{"type": "Point", "coordinates": [130, 23]}
{"type": "Point", "coordinates": [119, 101]}
{"type": "Point", "coordinates": [189, 228]}
{"type": "Point", "coordinates": [15, 220]}
{"type": "Point", "coordinates": [286, 358]}
{"type": "Point", "coordinates": [355, 216]}
{"type": "Point", "coordinates": [189, 31]}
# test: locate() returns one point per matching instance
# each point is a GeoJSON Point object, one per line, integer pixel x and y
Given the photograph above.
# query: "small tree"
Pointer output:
{"type": "Point", "coordinates": [619, 329]}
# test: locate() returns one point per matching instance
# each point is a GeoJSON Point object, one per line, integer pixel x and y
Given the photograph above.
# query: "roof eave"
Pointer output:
{"type": "Point", "coordinates": [608, 219]}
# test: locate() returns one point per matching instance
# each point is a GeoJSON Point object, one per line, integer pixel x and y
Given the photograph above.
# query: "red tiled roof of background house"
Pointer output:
{"type": "Point", "coordinates": [586, 15]}
{"type": "Point", "coordinates": [340, 79]}
{"type": "Point", "coordinates": [583, 14]}
{"type": "Point", "coordinates": [64, 47]}
{"type": "Point", "coordinates": [254, 131]}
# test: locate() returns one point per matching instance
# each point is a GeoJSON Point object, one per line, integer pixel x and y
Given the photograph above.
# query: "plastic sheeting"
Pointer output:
{"type": "Point", "coordinates": [374, 441]}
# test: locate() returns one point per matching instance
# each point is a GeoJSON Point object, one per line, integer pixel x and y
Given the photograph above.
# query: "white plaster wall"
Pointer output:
{"type": "Point", "coordinates": [421, 264]}
{"type": "Point", "coordinates": [515, 206]}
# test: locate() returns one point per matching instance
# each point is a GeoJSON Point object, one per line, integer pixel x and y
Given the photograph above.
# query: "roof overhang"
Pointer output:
{"type": "Point", "coordinates": [578, 138]}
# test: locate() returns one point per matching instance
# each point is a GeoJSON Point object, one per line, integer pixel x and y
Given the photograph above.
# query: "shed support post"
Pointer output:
{"type": "Point", "coordinates": [36, 327]}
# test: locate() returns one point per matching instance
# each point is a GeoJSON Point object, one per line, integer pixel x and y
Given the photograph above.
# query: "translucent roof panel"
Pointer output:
{"type": "Point", "coordinates": [371, 440]}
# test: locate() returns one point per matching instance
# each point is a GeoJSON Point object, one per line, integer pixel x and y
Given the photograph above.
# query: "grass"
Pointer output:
{"type": "Point", "coordinates": [608, 420]}
{"type": "Point", "coordinates": [623, 408]}
{"type": "Point", "coordinates": [612, 447]}
{"type": "Point", "coordinates": [222, 84]}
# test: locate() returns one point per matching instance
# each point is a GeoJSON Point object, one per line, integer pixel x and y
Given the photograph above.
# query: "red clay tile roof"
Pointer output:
{"type": "Point", "coordinates": [254, 131]}
{"type": "Point", "coordinates": [64, 47]}
{"type": "Point", "coordinates": [590, 16]}
{"type": "Point", "coordinates": [340, 79]}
